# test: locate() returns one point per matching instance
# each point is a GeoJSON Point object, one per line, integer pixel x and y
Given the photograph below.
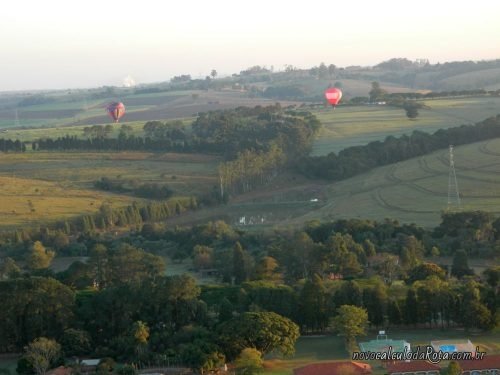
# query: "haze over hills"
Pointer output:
{"type": "Point", "coordinates": [184, 96]}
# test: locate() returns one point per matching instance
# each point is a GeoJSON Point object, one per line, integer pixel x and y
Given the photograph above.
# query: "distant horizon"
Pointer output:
{"type": "Point", "coordinates": [219, 75]}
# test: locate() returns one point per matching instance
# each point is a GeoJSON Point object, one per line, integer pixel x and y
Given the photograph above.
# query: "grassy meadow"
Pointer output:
{"type": "Point", "coordinates": [416, 190]}
{"type": "Point", "coordinates": [411, 191]}
{"type": "Point", "coordinates": [358, 125]}
{"type": "Point", "coordinates": [46, 186]}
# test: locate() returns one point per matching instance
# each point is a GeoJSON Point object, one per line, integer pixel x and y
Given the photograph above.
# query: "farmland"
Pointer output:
{"type": "Point", "coordinates": [409, 191]}
{"type": "Point", "coordinates": [42, 186]}
{"type": "Point", "coordinates": [64, 115]}
{"type": "Point", "coordinates": [353, 126]}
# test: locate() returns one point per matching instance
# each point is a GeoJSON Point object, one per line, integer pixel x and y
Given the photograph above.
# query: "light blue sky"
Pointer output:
{"type": "Point", "coordinates": [66, 44]}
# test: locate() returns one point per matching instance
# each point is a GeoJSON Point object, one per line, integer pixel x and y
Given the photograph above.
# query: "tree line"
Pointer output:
{"type": "Point", "coordinates": [358, 159]}
{"type": "Point", "coordinates": [147, 190]}
{"type": "Point", "coordinates": [225, 132]}
{"type": "Point", "coordinates": [8, 145]}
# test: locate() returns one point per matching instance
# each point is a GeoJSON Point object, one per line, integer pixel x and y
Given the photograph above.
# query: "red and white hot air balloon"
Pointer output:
{"type": "Point", "coordinates": [333, 95]}
{"type": "Point", "coordinates": [115, 110]}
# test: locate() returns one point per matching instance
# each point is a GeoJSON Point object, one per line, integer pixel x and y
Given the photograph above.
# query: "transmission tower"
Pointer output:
{"type": "Point", "coordinates": [16, 119]}
{"type": "Point", "coordinates": [453, 193]}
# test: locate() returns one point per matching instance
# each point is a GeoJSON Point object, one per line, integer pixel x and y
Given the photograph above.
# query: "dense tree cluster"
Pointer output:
{"type": "Point", "coordinates": [147, 190]}
{"type": "Point", "coordinates": [118, 303]}
{"type": "Point", "coordinates": [359, 159]}
{"type": "Point", "coordinates": [228, 132]}
{"type": "Point", "coordinates": [8, 145]}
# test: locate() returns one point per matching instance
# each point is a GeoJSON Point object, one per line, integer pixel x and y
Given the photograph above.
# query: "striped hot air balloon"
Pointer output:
{"type": "Point", "coordinates": [115, 110]}
{"type": "Point", "coordinates": [333, 95]}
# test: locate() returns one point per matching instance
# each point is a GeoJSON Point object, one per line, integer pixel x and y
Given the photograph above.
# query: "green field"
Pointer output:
{"type": "Point", "coordinates": [411, 191]}
{"type": "Point", "coordinates": [352, 126]}
{"type": "Point", "coordinates": [45, 186]}
{"type": "Point", "coordinates": [139, 108]}
{"type": "Point", "coordinates": [416, 190]}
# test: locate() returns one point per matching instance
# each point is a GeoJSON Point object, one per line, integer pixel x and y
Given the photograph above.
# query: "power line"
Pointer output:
{"type": "Point", "coordinates": [453, 193]}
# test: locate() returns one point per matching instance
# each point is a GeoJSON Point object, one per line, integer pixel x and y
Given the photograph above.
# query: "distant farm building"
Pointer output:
{"type": "Point", "coordinates": [334, 368]}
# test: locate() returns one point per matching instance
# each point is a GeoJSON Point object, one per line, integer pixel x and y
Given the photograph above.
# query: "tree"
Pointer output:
{"type": "Point", "coordinates": [375, 302]}
{"type": "Point", "coordinates": [376, 93]}
{"type": "Point", "coordinates": [213, 73]}
{"type": "Point", "coordinates": [203, 257]}
{"type": "Point", "coordinates": [60, 241]}
{"type": "Point", "coordinates": [266, 269]}
{"type": "Point", "coordinates": [492, 275]}
{"type": "Point", "coordinates": [323, 71]}
{"type": "Point", "coordinates": [460, 266]}
{"type": "Point", "coordinates": [331, 70]}
{"type": "Point", "coordinates": [41, 353]}
{"type": "Point", "coordinates": [33, 307]}
{"type": "Point", "coordinates": [201, 356]}
{"type": "Point", "coordinates": [351, 321]}
{"type": "Point", "coordinates": [394, 313]}
{"type": "Point", "coordinates": [313, 306]}
{"type": "Point", "coordinates": [240, 273]}
{"type": "Point", "coordinates": [9, 269]}
{"type": "Point", "coordinates": [140, 332]}
{"type": "Point", "coordinates": [411, 109]}
{"type": "Point", "coordinates": [388, 267]}
{"type": "Point", "coordinates": [453, 368]}
{"type": "Point", "coordinates": [264, 331]}
{"type": "Point", "coordinates": [411, 308]}
{"type": "Point", "coordinates": [38, 257]}
{"type": "Point", "coordinates": [425, 270]}
{"type": "Point", "coordinates": [106, 366]}
{"type": "Point", "coordinates": [249, 362]}
{"type": "Point", "coordinates": [140, 335]}
{"type": "Point", "coordinates": [129, 264]}
{"type": "Point", "coordinates": [76, 342]}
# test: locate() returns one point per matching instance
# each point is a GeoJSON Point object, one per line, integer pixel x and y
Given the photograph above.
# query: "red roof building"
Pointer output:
{"type": "Point", "coordinates": [490, 364]}
{"type": "Point", "coordinates": [413, 368]}
{"type": "Point", "coordinates": [61, 370]}
{"type": "Point", "coordinates": [334, 368]}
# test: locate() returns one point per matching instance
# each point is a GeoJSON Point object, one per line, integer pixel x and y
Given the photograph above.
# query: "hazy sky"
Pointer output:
{"type": "Point", "coordinates": [66, 44]}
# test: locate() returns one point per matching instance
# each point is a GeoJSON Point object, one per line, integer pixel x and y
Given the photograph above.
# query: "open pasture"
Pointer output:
{"type": "Point", "coordinates": [27, 202]}
{"type": "Point", "coordinates": [413, 191]}
{"type": "Point", "coordinates": [45, 186]}
{"type": "Point", "coordinates": [139, 108]}
{"type": "Point", "coordinates": [416, 190]}
{"type": "Point", "coordinates": [358, 125]}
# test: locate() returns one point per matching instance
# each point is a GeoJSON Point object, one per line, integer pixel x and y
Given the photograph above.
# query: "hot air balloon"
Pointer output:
{"type": "Point", "coordinates": [115, 110]}
{"type": "Point", "coordinates": [333, 95]}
